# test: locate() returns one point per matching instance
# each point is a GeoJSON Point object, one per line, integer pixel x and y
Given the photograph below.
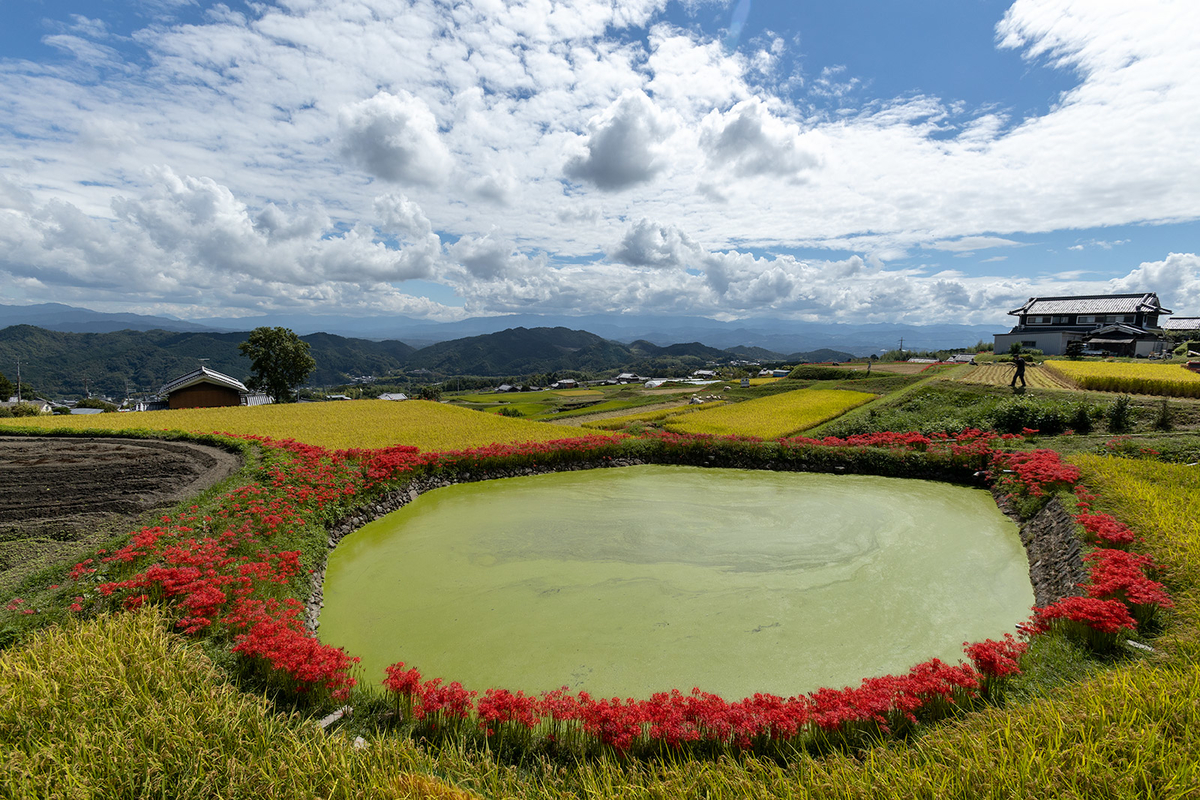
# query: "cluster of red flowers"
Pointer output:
{"type": "Point", "coordinates": [223, 572]}
{"type": "Point", "coordinates": [388, 463]}
{"type": "Point", "coordinates": [1104, 528]}
{"type": "Point", "coordinates": [969, 441]}
{"type": "Point", "coordinates": [1105, 616]}
{"type": "Point", "coordinates": [673, 718]}
{"type": "Point", "coordinates": [997, 659]}
{"type": "Point", "coordinates": [1118, 575]}
{"type": "Point", "coordinates": [1035, 473]}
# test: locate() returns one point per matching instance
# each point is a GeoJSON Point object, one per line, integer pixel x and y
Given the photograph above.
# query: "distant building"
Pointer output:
{"type": "Point", "coordinates": [204, 388]}
{"type": "Point", "coordinates": [1121, 324]}
{"type": "Point", "coordinates": [393, 396]}
{"type": "Point", "coordinates": [1189, 325]}
{"type": "Point", "coordinates": [41, 405]}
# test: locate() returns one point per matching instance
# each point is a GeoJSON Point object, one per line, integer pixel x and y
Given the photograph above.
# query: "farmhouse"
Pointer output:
{"type": "Point", "coordinates": [205, 388]}
{"type": "Point", "coordinates": [41, 405]}
{"type": "Point", "coordinates": [1188, 325]}
{"type": "Point", "coordinates": [1121, 324]}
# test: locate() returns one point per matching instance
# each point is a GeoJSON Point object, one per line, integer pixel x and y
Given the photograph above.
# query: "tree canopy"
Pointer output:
{"type": "Point", "coordinates": [280, 361]}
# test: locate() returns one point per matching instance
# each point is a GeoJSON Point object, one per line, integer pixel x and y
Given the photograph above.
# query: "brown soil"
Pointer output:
{"type": "Point", "coordinates": [61, 495]}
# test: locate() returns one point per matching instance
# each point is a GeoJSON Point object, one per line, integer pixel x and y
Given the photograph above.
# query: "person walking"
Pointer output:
{"type": "Point", "coordinates": [1019, 363]}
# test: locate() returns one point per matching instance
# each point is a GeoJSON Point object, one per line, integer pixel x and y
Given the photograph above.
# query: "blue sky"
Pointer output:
{"type": "Point", "coordinates": [901, 161]}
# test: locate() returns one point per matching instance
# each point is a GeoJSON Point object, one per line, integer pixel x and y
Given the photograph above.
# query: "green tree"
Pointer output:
{"type": "Point", "coordinates": [280, 361]}
{"type": "Point", "coordinates": [7, 389]}
{"type": "Point", "coordinates": [429, 393]}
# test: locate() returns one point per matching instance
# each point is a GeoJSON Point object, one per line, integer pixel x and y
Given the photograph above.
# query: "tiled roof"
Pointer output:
{"type": "Point", "coordinates": [1182, 324]}
{"type": "Point", "coordinates": [203, 375]}
{"type": "Point", "coordinates": [1093, 304]}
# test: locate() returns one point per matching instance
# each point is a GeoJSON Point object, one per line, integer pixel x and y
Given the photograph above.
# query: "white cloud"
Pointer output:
{"type": "Point", "coordinates": [750, 141]}
{"type": "Point", "coordinates": [646, 244]}
{"type": "Point", "coordinates": [622, 148]}
{"type": "Point", "coordinates": [394, 137]}
{"type": "Point", "coordinates": [971, 243]}
{"type": "Point", "coordinates": [190, 241]}
{"type": "Point", "coordinates": [478, 112]}
{"type": "Point", "coordinates": [1176, 280]}
{"type": "Point", "coordinates": [398, 214]}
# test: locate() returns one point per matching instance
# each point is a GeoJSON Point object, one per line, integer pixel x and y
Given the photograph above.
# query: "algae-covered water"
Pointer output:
{"type": "Point", "coordinates": [641, 579]}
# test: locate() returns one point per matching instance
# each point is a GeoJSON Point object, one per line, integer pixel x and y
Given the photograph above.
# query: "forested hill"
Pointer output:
{"type": "Point", "coordinates": [137, 361]}
{"type": "Point", "coordinates": [63, 364]}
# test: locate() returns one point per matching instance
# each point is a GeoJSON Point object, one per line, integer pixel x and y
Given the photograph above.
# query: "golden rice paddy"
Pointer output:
{"type": "Point", "coordinates": [358, 423]}
{"type": "Point", "coordinates": [774, 416]}
{"type": "Point", "coordinates": [1172, 380]}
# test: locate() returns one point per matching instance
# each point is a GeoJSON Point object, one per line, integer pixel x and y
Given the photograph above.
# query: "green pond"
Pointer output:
{"type": "Point", "coordinates": [640, 579]}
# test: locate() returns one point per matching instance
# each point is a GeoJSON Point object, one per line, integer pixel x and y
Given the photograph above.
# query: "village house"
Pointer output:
{"type": "Point", "coordinates": [42, 406]}
{"type": "Point", "coordinates": [1120, 324]}
{"type": "Point", "coordinates": [207, 388]}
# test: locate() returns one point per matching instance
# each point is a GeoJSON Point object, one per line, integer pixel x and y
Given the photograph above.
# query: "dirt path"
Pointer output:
{"type": "Point", "coordinates": [60, 495]}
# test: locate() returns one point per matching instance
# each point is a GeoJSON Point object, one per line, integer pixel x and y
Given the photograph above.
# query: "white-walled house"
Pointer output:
{"type": "Point", "coordinates": [1121, 324]}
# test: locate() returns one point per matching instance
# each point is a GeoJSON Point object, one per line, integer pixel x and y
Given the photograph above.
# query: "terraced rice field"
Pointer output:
{"type": "Point", "coordinates": [361, 423]}
{"type": "Point", "coordinates": [774, 416]}
{"type": "Point", "coordinates": [653, 413]}
{"type": "Point", "coordinates": [1170, 380]}
{"type": "Point", "coordinates": [1037, 377]}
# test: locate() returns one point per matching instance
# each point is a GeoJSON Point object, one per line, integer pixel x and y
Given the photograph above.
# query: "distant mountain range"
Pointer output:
{"type": "Point", "coordinates": [115, 364]}
{"type": "Point", "coordinates": [774, 335]}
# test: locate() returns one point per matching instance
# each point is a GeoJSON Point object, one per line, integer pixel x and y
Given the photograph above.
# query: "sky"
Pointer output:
{"type": "Point", "coordinates": [909, 161]}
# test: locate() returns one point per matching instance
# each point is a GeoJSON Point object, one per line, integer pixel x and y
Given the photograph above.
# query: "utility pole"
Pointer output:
{"type": "Point", "coordinates": [902, 345]}
{"type": "Point", "coordinates": [18, 380]}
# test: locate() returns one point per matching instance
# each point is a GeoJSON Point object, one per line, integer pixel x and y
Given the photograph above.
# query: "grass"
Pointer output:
{"type": "Point", "coordinates": [120, 707]}
{"type": "Point", "coordinates": [362, 423]}
{"type": "Point", "coordinates": [772, 417]}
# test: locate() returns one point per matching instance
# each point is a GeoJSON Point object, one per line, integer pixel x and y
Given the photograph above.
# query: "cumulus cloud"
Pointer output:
{"type": "Point", "coordinates": [398, 214]}
{"type": "Point", "coordinates": [489, 258]}
{"type": "Point", "coordinates": [750, 141]}
{"type": "Point", "coordinates": [395, 138]}
{"type": "Point", "coordinates": [187, 237]}
{"type": "Point", "coordinates": [622, 148]}
{"type": "Point", "coordinates": [647, 244]}
{"type": "Point", "coordinates": [1176, 280]}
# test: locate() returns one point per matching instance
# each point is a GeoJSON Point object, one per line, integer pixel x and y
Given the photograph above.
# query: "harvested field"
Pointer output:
{"type": "Point", "coordinates": [1036, 377]}
{"type": "Point", "coordinates": [62, 495]}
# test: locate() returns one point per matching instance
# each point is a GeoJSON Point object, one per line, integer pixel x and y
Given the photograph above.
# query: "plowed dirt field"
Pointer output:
{"type": "Point", "coordinates": [60, 495]}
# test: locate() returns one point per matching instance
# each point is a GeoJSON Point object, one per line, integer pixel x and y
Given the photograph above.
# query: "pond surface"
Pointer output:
{"type": "Point", "coordinates": [640, 579]}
